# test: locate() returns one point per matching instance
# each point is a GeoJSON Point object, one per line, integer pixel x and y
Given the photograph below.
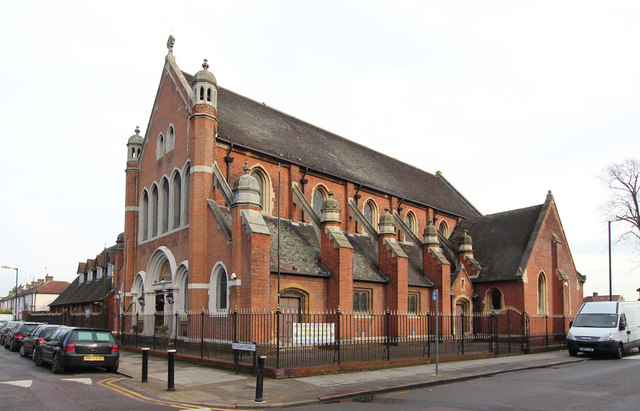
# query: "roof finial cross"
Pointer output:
{"type": "Point", "coordinates": [170, 43]}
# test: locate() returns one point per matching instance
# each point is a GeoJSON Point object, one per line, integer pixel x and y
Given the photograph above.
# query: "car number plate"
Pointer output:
{"type": "Point", "coordinates": [93, 358]}
{"type": "Point", "coordinates": [588, 349]}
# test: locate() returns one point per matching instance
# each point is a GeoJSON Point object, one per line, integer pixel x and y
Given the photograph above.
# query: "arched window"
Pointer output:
{"type": "Point", "coordinates": [144, 215]}
{"type": "Point", "coordinates": [370, 212]}
{"type": "Point", "coordinates": [187, 177]}
{"type": "Point", "coordinates": [496, 300]}
{"type": "Point", "coordinates": [185, 293]}
{"type": "Point", "coordinates": [201, 93]}
{"type": "Point", "coordinates": [411, 222]}
{"type": "Point", "coordinates": [171, 138]}
{"type": "Point", "coordinates": [160, 147]}
{"type": "Point", "coordinates": [258, 176]}
{"type": "Point", "coordinates": [218, 290]}
{"type": "Point", "coordinates": [177, 198]}
{"type": "Point", "coordinates": [265, 188]}
{"type": "Point", "coordinates": [208, 94]}
{"type": "Point", "coordinates": [319, 195]}
{"type": "Point", "coordinates": [165, 204]}
{"type": "Point", "coordinates": [542, 294]}
{"type": "Point", "coordinates": [154, 211]}
{"type": "Point", "coordinates": [443, 228]}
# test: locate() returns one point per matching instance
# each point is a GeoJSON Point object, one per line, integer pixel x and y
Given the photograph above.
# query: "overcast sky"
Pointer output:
{"type": "Point", "coordinates": [508, 99]}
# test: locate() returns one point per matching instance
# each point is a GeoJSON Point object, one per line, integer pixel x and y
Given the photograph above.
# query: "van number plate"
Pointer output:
{"type": "Point", "coordinates": [93, 358]}
{"type": "Point", "coordinates": [588, 349]}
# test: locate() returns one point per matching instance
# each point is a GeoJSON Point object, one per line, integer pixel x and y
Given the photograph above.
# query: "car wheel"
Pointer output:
{"type": "Point", "coordinates": [112, 368]}
{"type": "Point", "coordinates": [23, 351]}
{"type": "Point", "coordinates": [13, 346]}
{"type": "Point", "coordinates": [573, 353]}
{"type": "Point", "coordinates": [56, 366]}
{"type": "Point", "coordinates": [619, 353]}
{"type": "Point", "coordinates": [37, 357]}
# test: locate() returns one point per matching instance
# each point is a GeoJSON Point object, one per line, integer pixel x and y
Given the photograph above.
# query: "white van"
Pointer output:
{"type": "Point", "coordinates": [605, 327]}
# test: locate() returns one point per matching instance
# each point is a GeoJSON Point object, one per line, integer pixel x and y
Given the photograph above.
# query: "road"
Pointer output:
{"type": "Point", "coordinates": [595, 384]}
{"type": "Point", "coordinates": [24, 386]}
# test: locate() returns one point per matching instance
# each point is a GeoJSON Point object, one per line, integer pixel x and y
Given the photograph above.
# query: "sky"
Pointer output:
{"type": "Point", "coordinates": [509, 99]}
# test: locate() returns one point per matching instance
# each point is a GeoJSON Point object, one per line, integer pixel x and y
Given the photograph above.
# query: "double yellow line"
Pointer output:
{"type": "Point", "coordinates": [112, 384]}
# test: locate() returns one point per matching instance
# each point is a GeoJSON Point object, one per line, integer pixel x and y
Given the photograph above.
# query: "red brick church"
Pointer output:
{"type": "Point", "coordinates": [358, 230]}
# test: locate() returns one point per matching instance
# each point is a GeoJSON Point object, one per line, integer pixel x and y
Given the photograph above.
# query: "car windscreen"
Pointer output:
{"type": "Point", "coordinates": [48, 331]}
{"type": "Point", "coordinates": [28, 327]}
{"type": "Point", "coordinates": [596, 320]}
{"type": "Point", "coordinates": [91, 336]}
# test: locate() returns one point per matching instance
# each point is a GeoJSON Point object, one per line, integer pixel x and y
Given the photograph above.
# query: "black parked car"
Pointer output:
{"type": "Point", "coordinates": [3, 326]}
{"type": "Point", "coordinates": [78, 347]}
{"type": "Point", "coordinates": [35, 338]}
{"type": "Point", "coordinates": [13, 339]}
{"type": "Point", "coordinates": [7, 330]}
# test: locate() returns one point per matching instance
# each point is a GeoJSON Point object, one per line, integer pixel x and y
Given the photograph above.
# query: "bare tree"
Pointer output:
{"type": "Point", "coordinates": [624, 181]}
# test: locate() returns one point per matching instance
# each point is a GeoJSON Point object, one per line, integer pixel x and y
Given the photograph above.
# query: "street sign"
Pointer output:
{"type": "Point", "coordinates": [243, 347]}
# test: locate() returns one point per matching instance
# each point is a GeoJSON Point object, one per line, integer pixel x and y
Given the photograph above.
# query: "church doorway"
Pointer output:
{"type": "Point", "coordinates": [462, 316]}
{"type": "Point", "coordinates": [159, 309]}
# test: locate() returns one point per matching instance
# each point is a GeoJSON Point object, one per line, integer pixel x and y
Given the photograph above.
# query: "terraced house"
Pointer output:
{"type": "Point", "coordinates": [358, 230]}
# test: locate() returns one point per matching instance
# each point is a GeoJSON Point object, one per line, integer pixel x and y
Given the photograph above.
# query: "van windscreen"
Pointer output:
{"type": "Point", "coordinates": [596, 320]}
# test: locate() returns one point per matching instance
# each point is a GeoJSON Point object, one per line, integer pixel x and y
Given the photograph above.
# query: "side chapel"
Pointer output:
{"type": "Point", "coordinates": [358, 230]}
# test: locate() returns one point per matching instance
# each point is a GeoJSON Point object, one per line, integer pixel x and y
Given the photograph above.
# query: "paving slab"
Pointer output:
{"type": "Point", "coordinates": [215, 388]}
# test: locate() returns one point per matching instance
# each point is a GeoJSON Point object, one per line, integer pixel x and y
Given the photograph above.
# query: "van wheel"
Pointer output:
{"type": "Point", "coordinates": [573, 353]}
{"type": "Point", "coordinates": [618, 354]}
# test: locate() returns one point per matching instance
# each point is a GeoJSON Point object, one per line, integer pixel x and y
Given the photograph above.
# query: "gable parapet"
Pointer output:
{"type": "Point", "coordinates": [394, 247]}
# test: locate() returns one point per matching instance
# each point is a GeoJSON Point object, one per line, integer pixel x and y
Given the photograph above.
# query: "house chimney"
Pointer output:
{"type": "Point", "coordinates": [48, 278]}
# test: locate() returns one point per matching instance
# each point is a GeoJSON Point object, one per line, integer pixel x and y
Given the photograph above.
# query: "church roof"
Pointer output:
{"type": "Point", "coordinates": [253, 125]}
{"type": "Point", "coordinates": [88, 292]}
{"type": "Point", "coordinates": [501, 241]}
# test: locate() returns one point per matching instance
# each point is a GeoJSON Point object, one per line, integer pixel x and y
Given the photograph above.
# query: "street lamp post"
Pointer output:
{"type": "Point", "coordinates": [15, 315]}
{"type": "Point", "coordinates": [609, 229]}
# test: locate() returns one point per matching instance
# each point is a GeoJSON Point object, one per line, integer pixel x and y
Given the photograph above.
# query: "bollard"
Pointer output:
{"type": "Point", "coordinates": [145, 364]}
{"type": "Point", "coordinates": [171, 354]}
{"type": "Point", "coordinates": [260, 379]}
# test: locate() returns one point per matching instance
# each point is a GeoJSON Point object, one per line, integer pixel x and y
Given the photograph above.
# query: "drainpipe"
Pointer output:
{"type": "Point", "coordinates": [356, 197]}
{"type": "Point", "coordinates": [228, 159]}
{"type": "Point", "coordinates": [400, 201]}
{"type": "Point", "coordinates": [303, 183]}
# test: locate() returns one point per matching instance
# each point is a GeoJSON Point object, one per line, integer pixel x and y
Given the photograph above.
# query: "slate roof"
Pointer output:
{"type": "Point", "coordinates": [299, 249]}
{"type": "Point", "coordinates": [253, 125]}
{"type": "Point", "coordinates": [500, 240]}
{"type": "Point", "coordinates": [416, 276]}
{"type": "Point", "coordinates": [365, 260]}
{"type": "Point", "coordinates": [87, 292]}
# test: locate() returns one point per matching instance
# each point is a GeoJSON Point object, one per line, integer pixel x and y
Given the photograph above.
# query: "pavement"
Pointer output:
{"type": "Point", "coordinates": [200, 387]}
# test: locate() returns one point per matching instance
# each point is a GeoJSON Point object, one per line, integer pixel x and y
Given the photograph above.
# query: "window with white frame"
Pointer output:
{"type": "Point", "coordinates": [319, 195]}
{"type": "Point", "coordinates": [165, 204]}
{"type": "Point", "coordinates": [144, 218]}
{"type": "Point", "coordinates": [218, 290]}
{"type": "Point", "coordinates": [171, 138]}
{"type": "Point", "coordinates": [160, 147]}
{"type": "Point", "coordinates": [177, 198]}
